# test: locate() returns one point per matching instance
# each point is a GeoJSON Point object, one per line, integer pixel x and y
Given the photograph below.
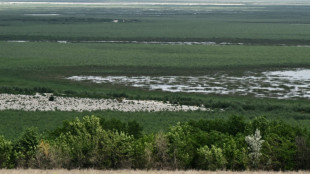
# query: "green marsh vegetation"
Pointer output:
{"type": "Point", "coordinates": [246, 24]}
{"type": "Point", "coordinates": [43, 67]}
{"type": "Point", "coordinates": [43, 64]}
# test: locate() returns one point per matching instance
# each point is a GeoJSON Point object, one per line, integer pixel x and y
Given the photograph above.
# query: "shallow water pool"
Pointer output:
{"type": "Point", "coordinates": [272, 84]}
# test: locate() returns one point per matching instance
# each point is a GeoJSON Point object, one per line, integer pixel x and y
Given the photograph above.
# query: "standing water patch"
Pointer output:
{"type": "Point", "coordinates": [270, 84]}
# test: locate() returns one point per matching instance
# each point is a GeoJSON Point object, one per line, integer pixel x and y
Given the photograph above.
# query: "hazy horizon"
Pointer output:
{"type": "Point", "coordinates": [291, 2]}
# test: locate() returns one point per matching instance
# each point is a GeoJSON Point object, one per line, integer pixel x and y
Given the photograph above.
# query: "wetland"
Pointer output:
{"type": "Point", "coordinates": [286, 84]}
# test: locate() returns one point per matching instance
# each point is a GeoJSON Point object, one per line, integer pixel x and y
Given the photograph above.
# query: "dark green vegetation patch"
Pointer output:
{"type": "Point", "coordinates": [97, 143]}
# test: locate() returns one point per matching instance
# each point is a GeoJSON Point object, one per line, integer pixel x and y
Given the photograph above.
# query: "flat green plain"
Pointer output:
{"type": "Point", "coordinates": [272, 38]}
{"type": "Point", "coordinates": [248, 24]}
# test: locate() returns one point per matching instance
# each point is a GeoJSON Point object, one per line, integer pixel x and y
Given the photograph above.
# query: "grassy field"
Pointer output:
{"type": "Point", "coordinates": [140, 172]}
{"type": "Point", "coordinates": [14, 122]}
{"type": "Point", "coordinates": [44, 63]}
{"type": "Point", "coordinates": [42, 55]}
{"type": "Point", "coordinates": [47, 65]}
{"type": "Point", "coordinates": [247, 24]}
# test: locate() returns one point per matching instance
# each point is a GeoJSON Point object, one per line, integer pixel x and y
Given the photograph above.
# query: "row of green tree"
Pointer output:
{"type": "Point", "coordinates": [231, 144]}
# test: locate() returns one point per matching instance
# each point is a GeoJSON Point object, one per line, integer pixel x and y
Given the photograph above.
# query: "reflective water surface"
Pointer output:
{"type": "Point", "coordinates": [272, 84]}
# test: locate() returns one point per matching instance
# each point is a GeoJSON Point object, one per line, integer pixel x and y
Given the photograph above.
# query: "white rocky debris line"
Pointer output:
{"type": "Point", "coordinates": [41, 103]}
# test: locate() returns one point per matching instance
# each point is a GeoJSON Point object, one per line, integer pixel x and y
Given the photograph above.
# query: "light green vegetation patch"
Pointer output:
{"type": "Point", "coordinates": [43, 55]}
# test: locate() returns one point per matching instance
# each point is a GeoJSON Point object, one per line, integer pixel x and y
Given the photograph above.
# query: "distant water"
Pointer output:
{"type": "Point", "coordinates": [271, 84]}
{"type": "Point", "coordinates": [299, 74]}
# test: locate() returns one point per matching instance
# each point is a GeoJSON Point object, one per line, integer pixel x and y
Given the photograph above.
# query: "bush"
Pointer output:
{"type": "Point", "coordinates": [208, 144]}
{"type": "Point", "coordinates": [211, 158]}
{"type": "Point", "coordinates": [46, 156]}
{"type": "Point", "coordinates": [134, 129]}
{"type": "Point", "coordinates": [25, 148]}
{"type": "Point", "coordinates": [89, 146]}
{"type": "Point", "coordinates": [181, 145]}
{"type": "Point", "coordinates": [5, 152]}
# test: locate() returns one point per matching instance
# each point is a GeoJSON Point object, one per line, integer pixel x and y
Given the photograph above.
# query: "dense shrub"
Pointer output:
{"type": "Point", "coordinates": [212, 158]}
{"type": "Point", "coordinates": [87, 145]}
{"type": "Point", "coordinates": [232, 144]}
{"type": "Point", "coordinates": [5, 152]}
{"type": "Point", "coordinates": [25, 148]}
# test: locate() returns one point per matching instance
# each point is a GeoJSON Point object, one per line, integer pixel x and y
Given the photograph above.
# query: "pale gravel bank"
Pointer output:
{"type": "Point", "coordinates": [137, 172]}
{"type": "Point", "coordinates": [41, 103]}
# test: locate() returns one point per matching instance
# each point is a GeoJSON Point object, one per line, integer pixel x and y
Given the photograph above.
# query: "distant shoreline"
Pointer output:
{"type": "Point", "coordinates": [160, 3]}
{"type": "Point", "coordinates": [125, 3]}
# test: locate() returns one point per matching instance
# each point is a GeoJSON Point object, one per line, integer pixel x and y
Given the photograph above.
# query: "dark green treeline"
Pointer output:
{"type": "Point", "coordinates": [232, 144]}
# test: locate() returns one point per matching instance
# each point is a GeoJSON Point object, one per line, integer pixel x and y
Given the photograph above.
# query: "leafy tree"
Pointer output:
{"type": "Point", "coordinates": [79, 144]}
{"type": "Point", "coordinates": [260, 123]}
{"type": "Point", "coordinates": [113, 125]}
{"type": "Point", "coordinates": [131, 128]}
{"type": "Point", "coordinates": [24, 149]}
{"type": "Point", "coordinates": [279, 151]}
{"type": "Point", "coordinates": [142, 156]}
{"type": "Point", "coordinates": [235, 155]}
{"type": "Point", "coordinates": [236, 124]}
{"type": "Point", "coordinates": [160, 151]}
{"type": "Point", "coordinates": [255, 144]}
{"type": "Point", "coordinates": [5, 152]}
{"type": "Point", "coordinates": [116, 151]}
{"type": "Point", "coordinates": [302, 154]}
{"type": "Point", "coordinates": [89, 146]}
{"type": "Point", "coordinates": [208, 144]}
{"type": "Point", "coordinates": [134, 128]}
{"type": "Point", "coordinates": [46, 156]}
{"type": "Point", "coordinates": [217, 138]}
{"type": "Point", "coordinates": [212, 158]}
{"type": "Point", "coordinates": [181, 145]}
{"type": "Point", "coordinates": [283, 130]}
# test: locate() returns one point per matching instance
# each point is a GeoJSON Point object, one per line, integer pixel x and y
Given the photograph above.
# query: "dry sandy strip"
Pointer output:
{"type": "Point", "coordinates": [41, 103]}
{"type": "Point", "coordinates": [137, 172]}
